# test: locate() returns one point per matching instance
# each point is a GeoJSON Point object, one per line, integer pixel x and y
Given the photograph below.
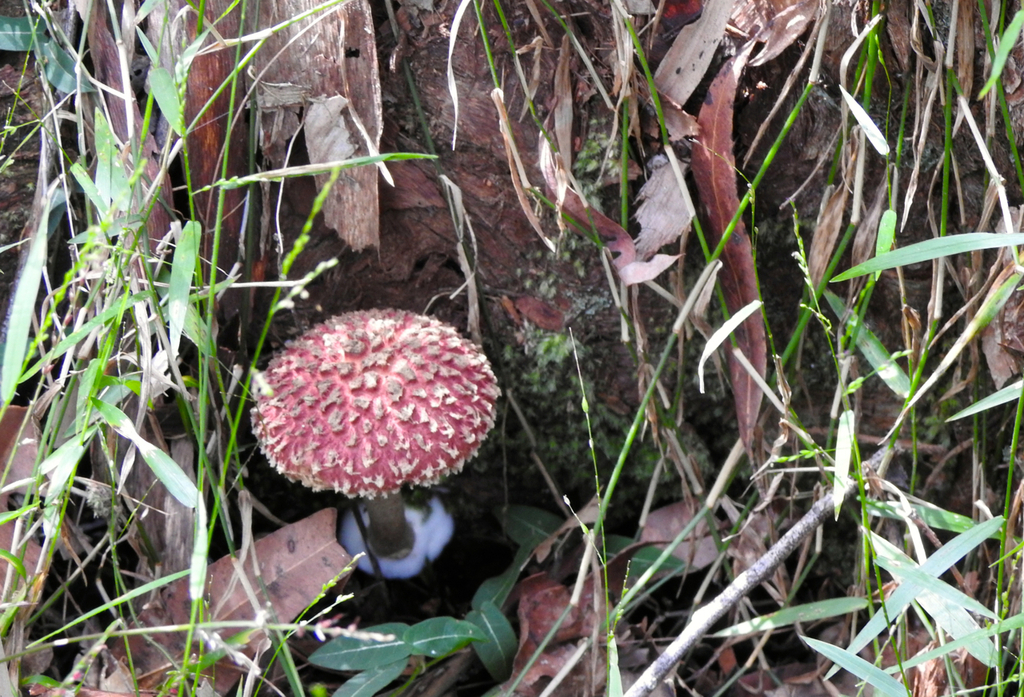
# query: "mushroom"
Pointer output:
{"type": "Point", "coordinates": [369, 401]}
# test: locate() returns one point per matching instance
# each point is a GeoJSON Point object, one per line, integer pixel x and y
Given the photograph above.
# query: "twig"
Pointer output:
{"type": "Point", "coordinates": [706, 616]}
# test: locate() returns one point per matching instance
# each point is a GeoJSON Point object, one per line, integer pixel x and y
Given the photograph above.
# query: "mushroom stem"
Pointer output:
{"type": "Point", "coordinates": [390, 535]}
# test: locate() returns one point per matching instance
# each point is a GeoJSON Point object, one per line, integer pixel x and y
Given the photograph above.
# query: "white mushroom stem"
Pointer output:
{"type": "Point", "coordinates": [390, 535]}
{"type": "Point", "coordinates": [431, 526]}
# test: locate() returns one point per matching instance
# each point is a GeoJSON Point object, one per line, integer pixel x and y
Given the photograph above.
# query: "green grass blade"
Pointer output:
{"type": "Point", "coordinates": [811, 612]}
{"type": "Point", "coordinates": [1010, 393]}
{"type": "Point", "coordinates": [873, 675]}
{"type": "Point", "coordinates": [873, 350]}
{"type": "Point", "coordinates": [165, 92]}
{"type": "Point", "coordinates": [844, 454]}
{"type": "Point", "coordinates": [166, 470]}
{"type": "Point", "coordinates": [1006, 44]}
{"type": "Point", "coordinates": [182, 270]}
{"type": "Point", "coordinates": [933, 249]}
{"type": "Point", "coordinates": [22, 308]}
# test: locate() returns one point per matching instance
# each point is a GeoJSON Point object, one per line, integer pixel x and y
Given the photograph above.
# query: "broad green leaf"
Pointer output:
{"type": "Point", "coordinates": [111, 181]}
{"type": "Point", "coordinates": [60, 68]}
{"type": "Point", "coordinates": [844, 453]}
{"type": "Point", "coordinates": [19, 319]}
{"type": "Point", "coordinates": [811, 612]}
{"type": "Point", "coordinates": [958, 623]}
{"type": "Point", "coordinates": [870, 129]}
{"type": "Point", "coordinates": [528, 526]}
{"type": "Point", "coordinates": [362, 653]}
{"type": "Point", "coordinates": [906, 571]}
{"type": "Point", "coordinates": [182, 271]}
{"type": "Point", "coordinates": [1011, 624]}
{"type": "Point", "coordinates": [440, 636]}
{"type": "Point", "coordinates": [933, 249]}
{"type": "Point", "coordinates": [1006, 44]}
{"type": "Point", "coordinates": [85, 181]}
{"type": "Point", "coordinates": [614, 676]}
{"type": "Point", "coordinates": [886, 232]}
{"type": "Point", "coordinates": [165, 92]}
{"type": "Point", "coordinates": [371, 682]}
{"type": "Point", "coordinates": [499, 649]}
{"type": "Point", "coordinates": [873, 675]}
{"type": "Point", "coordinates": [61, 463]}
{"type": "Point", "coordinates": [166, 470]}
{"type": "Point", "coordinates": [16, 33]}
{"type": "Point", "coordinates": [933, 517]}
{"type": "Point", "coordinates": [937, 564]}
{"type": "Point", "coordinates": [721, 334]}
{"type": "Point", "coordinates": [891, 373]}
{"type": "Point", "coordinates": [1010, 393]}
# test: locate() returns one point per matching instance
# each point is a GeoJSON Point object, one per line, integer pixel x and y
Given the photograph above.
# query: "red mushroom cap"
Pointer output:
{"type": "Point", "coordinates": [371, 400]}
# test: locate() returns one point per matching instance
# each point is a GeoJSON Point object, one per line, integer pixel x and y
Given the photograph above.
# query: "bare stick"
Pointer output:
{"type": "Point", "coordinates": [706, 616]}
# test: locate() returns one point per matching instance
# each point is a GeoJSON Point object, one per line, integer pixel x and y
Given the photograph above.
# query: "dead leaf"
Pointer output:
{"type": "Point", "coordinates": [683, 67]}
{"type": "Point", "coordinates": [826, 232]}
{"type": "Point", "coordinates": [542, 600]}
{"type": "Point", "coordinates": [663, 214]}
{"type": "Point", "coordinates": [714, 169]}
{"type": "Point", "coordinates": [608, 231]}
{"type": "Point", "coordinates": [295, 564]}
{"type": "Point", "coordinates": [19, 446]}
{"type": "Point", "coordinates": [786, 25]}
{"type": "Point", "coordinates": [698, 550]}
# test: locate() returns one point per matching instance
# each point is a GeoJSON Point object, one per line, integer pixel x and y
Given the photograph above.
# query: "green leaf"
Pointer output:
{"type": "Point", "coordinates": [937, 564]}
{"type": "Point", "coordinates": [1006, 44]}
{"type": "Point", "coordinates": [165, 92]}
{"type": "Point", "coordinates": [182, 270]}
{"type": "Point", "coordinates": [886, 232]}
{"type": "Point", "coordinates": [1010, 393]}
{"type": "Point", "coordinates": [873, 675]}
{"type": "Point", "coordinates": [933, 249]}
{"type": "Point", "coordinates": [60, 68]}
{"type": "Point", "coordinates": [933, 517]}
{"type": "Point", "coordinates": [111, 182]}
{"type": "Point", "coordinates": [867, 125]}
{"type": "Point", "coordinates": [614, 676]}
{"type": "Point", "coordinates": [528, 526]}
{"type": "Point", "coordinates": [62, 463]}
{"type": "Point", "coordinates": [371, 682]}
{"type": "Point", "coordinates": [166, 470]}
{"type": "Point", "coordinates": [19, 320]}
{"type": "Point", "coordinates": [873, 349]}
{"type": "Point", "coordinates": [499, 649]}
{"type": "Point", "coordinates": [362, 653]}
{"type": "Point", "coordinates": [440, 636]}
{"type": "Point", "coordinates": [844, 453]}
{"type": "Point", "coordinates": [16, 33]}
{"type": "Point", "coordinates": [811, 612]}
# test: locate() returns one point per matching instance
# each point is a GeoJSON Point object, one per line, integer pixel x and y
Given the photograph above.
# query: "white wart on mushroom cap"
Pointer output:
{"type": "Point", "coordinates": [368, 401]}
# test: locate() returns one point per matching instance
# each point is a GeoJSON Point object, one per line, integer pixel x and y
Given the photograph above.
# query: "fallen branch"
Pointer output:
{"type": "Point", "coordinates": [706, 616]}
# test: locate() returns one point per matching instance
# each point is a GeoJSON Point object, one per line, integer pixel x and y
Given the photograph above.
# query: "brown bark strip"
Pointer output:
{"type": "Point", "coordinates": [714, 169]}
